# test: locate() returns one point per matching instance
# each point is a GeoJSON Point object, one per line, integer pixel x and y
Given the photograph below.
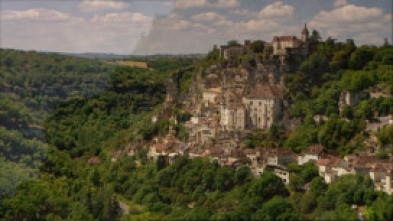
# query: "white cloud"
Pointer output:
{"type": "Point", "coordinates": [207, 17]}
{"type": "Point", "coordinates": [199, 32]}
{"type": "Point", "coordinates": [51, 30]}
{"type": "Point", "coordinates": [276, 10]}
{"type": "Point", "coordinates": [242, 12]}
{"type": "Point", "coordinates": [206, 3]}
{"type": "Point", "coordinates": [339, 3]}
{"type": "Point", "coordinates": [123, 17]}
{"type": "Point", "coordinates": [35, 14]}
{"type": "Point", "coordinates": [256, 25]}
{"type": "Point", "coordinates": [351, 21]}
{"type": "Point", "coordinates": [349, 13]}
{"type": "Point", "coordinates": [98, 5]}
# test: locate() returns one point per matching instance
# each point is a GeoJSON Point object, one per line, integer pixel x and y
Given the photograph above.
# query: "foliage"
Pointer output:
{"type": "Point", "coordinates": [166, 64]}
{"type": "Point", "coordinates": [233, 43]}
{"type": "Point", "coordinates": [301, 174]}
{"type": "Point", "coordinates": [385, 136]}
{"type": "Point", "coordinates": [257, 46]}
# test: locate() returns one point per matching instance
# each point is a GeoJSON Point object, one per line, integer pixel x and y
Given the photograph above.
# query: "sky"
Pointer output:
{"type": "Point", "coordinates": [183, 26]}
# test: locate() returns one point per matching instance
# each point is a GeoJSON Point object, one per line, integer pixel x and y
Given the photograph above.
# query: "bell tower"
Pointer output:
{"type": "Point", "coordinates": [305, 33]}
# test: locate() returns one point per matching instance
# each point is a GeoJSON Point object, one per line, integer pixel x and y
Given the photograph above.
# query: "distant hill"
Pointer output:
{"type": "Point", "coordinates": [118, 56]}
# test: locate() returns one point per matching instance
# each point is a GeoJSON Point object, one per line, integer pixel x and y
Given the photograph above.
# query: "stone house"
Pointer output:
{"type": "Point", "coordinates": [351, 98]}
{"type": "Point", "coordinates": [313, 153]}
{"type": "Point", "coordinates": [263, 106]}
{"type": "Point", "coordinates": [280, 156]}
{"type": "Point", "coordinates": [325, 166]}
{"type": "Point", "coordinates": [211, 96]}
{"type": "Point", "coordinates": [388, 187]}
{"type": "Point", "coordinates": [230, 51]}
{"type": "Point", "coordinates": [156, 150]}
{"type": "Point", "coordinates": [195, 152]}
{"type": "Point", "coordinates": [233, 117]}
{"type": "Point", "coordinates": [343, 168]}
{"type": "Point", "coordinates": [281, 172]}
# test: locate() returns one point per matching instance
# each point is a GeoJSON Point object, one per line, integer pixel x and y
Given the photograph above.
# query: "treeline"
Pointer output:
{"type": "Point", "coordinates": [132, 94]}
{"type": "Point", "coordinates": [69, 188]}
{"type": "Point", "coordinates": [31, 84]}
{"type": "Point", "coordinates": [199, 189]}
{"type": "Point", "coordinates": [64, 191]}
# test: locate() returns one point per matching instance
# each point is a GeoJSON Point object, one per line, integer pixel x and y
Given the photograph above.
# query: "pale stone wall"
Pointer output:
{"type": "Point", "coordinates": [261, 113]}
{"type": "Point", "coordinates": [279, 47]}
{"type": "Point", "coordinates": [210, 97]}
{"type": "Point", "coordinates": [306, 158]}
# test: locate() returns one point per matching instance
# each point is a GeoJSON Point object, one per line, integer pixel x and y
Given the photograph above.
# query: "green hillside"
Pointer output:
{"type": "Point", "coordinates": [103, 109]}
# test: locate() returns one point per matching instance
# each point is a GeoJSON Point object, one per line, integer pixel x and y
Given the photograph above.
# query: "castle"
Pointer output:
{"type": "Point", "coordinates": [282, 46]}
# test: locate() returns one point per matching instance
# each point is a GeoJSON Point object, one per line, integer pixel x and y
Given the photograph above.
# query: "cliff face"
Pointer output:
{"type": "Point", "coordinates": [237, 81]}
{"type": "Point", "coordinates": [174, 96]}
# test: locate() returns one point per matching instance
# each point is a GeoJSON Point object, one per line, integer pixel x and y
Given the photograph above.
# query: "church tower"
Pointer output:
{"type": "Point", "coordinates": [305, 33]}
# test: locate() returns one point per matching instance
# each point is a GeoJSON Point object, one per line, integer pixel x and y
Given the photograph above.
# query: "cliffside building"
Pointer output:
{"type": "Point", "coordinates": [291, 45]}
{"type": "Point", "coordinates": [230, 51]}
{"type": "Point", "coordinates": [259, 109]}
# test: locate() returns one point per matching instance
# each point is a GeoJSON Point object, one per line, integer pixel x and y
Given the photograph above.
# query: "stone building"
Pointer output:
{"type": "Point", "coordinates": [351, 98]}
{"type": "Point", "coordinates": [211, 96]}
{"type": "Point", "coordinates": [230, 51]}
{"type": "Point", "coordinates": [280, 156]}
{"type": "Point", "coordinates": [263, 106]}
{"type": "Point", "coordinates": [259, 109]}
{"type": "Point", "coordinates": [288, 45]}
{"type": "Point", "coordinates": [311, 154]}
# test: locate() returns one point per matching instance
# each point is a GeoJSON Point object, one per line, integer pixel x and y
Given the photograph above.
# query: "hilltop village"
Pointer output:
{"type": "Point", "coordinates": [228, 100]}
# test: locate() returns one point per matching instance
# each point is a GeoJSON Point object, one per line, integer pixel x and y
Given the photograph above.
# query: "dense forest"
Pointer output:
{"type": "Point", "coordinates": [89, 109]}
{"type": "Point", "coordinates": [31, 85]}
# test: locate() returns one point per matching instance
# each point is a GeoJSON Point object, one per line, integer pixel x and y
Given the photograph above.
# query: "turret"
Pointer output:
{"type": "Point", "coordinates": [305, 33]}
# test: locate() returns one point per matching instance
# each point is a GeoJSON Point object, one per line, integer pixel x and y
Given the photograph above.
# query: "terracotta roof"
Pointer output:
{"type": "Point", "coordinates": [323, 162]}
{"type": "Point", "coordinates": [264, 91]}
{"type": "Point", "coordinates": [284, 38]}
{"type": "Point", "coordinates": [329, 160]}
{"type": "Point", "coordinates": [170, 138]}
{"type": "Point", "coordinates": [229, 163]}
{"type": "Point", "coordinates": [280, 151]}
{"type": "Point", "coordinates": [159, 147]}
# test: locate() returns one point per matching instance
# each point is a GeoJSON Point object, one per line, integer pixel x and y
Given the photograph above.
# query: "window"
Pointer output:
{"type": "Point", "coordinates": [260, 103]}
{"type": "Point", "coordinates": [250, 102]}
